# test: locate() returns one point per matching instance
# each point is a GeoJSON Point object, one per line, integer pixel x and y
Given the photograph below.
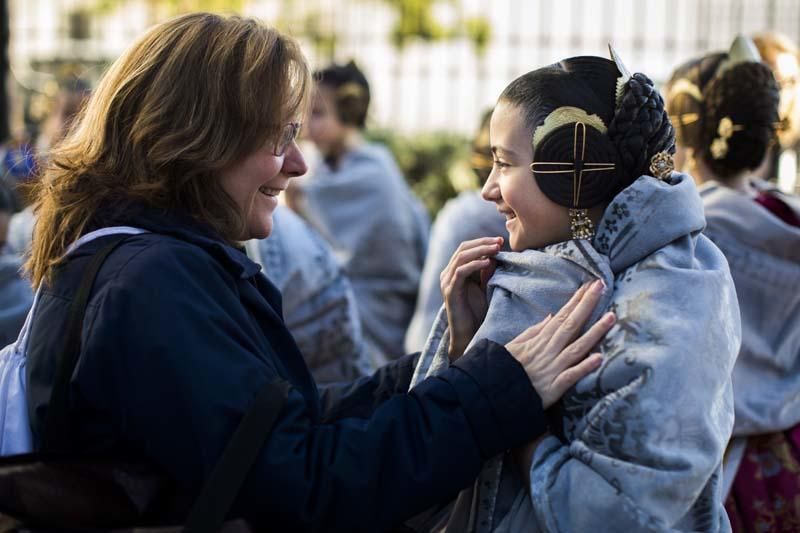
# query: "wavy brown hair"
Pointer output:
{"type": "Point", "coordinates": [190, 98]}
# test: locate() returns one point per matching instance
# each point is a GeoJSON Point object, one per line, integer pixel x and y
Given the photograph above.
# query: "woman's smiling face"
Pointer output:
{"type": "Point", "coordinates": [255, 182]}
{"type": "Point", "coordinates": [532, 219]}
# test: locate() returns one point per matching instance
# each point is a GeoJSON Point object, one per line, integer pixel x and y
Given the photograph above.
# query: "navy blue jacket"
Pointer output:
{"type": "Point", "coordinates": [181, 332]}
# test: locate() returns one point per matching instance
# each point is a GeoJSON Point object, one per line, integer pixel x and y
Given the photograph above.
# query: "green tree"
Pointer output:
{"type": "Point", "coordinates": [415, 20]}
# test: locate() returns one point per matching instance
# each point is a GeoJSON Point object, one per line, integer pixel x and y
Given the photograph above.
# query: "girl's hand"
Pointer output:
{"type": "Point", "coordinates": [463, 283]}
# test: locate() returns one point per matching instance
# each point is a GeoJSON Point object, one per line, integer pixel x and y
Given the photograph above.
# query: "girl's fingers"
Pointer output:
{"type": "Point", "coordinates": [483, 241]}
{"type": "Point", "coordinates": [465, 271]}
{"type": "Point", "coordinates": [469, 251]}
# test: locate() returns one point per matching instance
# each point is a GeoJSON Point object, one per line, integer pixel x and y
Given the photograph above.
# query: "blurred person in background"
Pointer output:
{"type": "Point", "coordinates": [725, 107]}
{"type": "Point", "coordinates": [15, 291]}
{"type": "Point", "coordinates": [463, 218]}
{"type": "Point", "coordinates": [18, 167]}
{"type": "Point", "coordinates": [180, 156]}
{"type": "Point", "coordinates": [783, 57]}
{"type": "Point", "coordinates": [319, 306]}
{"type": "Point", "coordinates": [69, 101]}
{"type": "Point", "coordinates": [358, 200]}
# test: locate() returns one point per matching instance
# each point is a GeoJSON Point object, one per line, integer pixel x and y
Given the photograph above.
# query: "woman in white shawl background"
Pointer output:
{"type": "Point", "coordinates": [582, 173]}
{"type": "Point", "coordinates": [357, 199]}
{"type": "Point", "coordinates": [725, 107]}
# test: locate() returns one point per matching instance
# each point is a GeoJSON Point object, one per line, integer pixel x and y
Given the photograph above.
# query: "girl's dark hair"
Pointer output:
{"type": "Point", "coordinates": [637, 128]}
{"type": "Point", "coordinates": [351, 92]}
{"type": "Point", "coordinates": [749, 95]}
{"type": "Point", "coordinates": [745, 93]}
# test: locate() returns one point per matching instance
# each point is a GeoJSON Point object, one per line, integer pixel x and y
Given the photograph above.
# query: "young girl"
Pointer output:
{"type": "Point", "coordinates": [358, 200]}
{"type": "Point", "coordinates": [582, 174]}
{"type": "Point", "coordinates": [726, 109]}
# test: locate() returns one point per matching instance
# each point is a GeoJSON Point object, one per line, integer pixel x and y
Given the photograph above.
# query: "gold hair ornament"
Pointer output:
{"type": "Point", "coordinates": [580, 223]}
{"type": "Point", "coordinates": [350, 89]}
{"type": "Point", "coordinates": [684, 86]}
{"type": "Point", "coordinates": [662, 165]}
{"type": "Point", "coordinates": [566, 115]}
{"type": "Point", "coordinates": [725, 130]}
{"type": "Point", "coordinates": [684, 119]}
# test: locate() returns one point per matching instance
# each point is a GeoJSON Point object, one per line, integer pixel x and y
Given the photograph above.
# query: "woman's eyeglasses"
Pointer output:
{"type": "Point", "coordinates": [287, 136]}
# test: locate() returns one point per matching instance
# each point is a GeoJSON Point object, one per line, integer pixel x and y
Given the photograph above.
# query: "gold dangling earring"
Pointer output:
{"type": "Point", "coordinates": [580, 224]}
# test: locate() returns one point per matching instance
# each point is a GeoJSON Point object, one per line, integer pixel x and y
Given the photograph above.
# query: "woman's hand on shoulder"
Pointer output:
{"type": "Point", "coordinates": [553, 355]}
{"type": "Point", "coordinates": [463, 283]}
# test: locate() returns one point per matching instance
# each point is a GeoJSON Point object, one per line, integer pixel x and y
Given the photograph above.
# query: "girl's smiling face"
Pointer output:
{"type": "Point", "coordinates": [532, 219]}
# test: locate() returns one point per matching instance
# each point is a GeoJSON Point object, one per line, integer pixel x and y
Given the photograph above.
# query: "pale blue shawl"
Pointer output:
{"type": "Point", "coordinates": [644, 435]}
{"type": "Point", "coordinates": [379, 233]}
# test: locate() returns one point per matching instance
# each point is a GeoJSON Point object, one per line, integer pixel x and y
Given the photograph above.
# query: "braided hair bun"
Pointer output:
{"type": "Point", "coordinates": [619, 140]}
{"type": "Point", "coordinates": [748, 96]}
{"type": "Point", "coordinates": [641, 127]}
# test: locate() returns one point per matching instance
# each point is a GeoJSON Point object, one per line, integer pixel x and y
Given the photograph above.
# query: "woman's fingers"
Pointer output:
{"type": "Point", "coordinates": [564, 312]}
{"type": "Point", "coordinates": [578, 349]}
{"type": "Point", "coordinates": [574, 374]}
{"type": "Point", "coordinates": [532, 331]}
{"type": "Point", "coordinates": [568, 325]}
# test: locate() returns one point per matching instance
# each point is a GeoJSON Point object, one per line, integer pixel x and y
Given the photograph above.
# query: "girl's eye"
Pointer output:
{"type": "Point", "coordinates": [500, 164]}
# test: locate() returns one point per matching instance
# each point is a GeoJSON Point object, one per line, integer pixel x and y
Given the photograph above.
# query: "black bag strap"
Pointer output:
{"type": "Point", "coordinates": [57, 428]}
{"type": "Point", "coordinates": [222, 487]}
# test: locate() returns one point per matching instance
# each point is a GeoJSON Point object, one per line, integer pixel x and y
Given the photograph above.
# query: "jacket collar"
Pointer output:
{"type": "Point", "coordinates": [181, 226]}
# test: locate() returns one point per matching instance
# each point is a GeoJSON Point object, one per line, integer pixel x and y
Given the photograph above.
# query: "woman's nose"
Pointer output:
{"type": "Point", "coordinates": [294, 164]}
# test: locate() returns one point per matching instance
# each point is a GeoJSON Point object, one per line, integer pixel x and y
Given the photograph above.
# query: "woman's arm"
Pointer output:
{"type": "Point", "coordinates": [171, 358]}
{"type": "Point", "coordinates": [360, 398]}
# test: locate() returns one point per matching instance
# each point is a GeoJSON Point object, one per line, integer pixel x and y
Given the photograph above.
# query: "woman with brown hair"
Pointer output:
{"type": "Point", "coordinates": [185, 145]}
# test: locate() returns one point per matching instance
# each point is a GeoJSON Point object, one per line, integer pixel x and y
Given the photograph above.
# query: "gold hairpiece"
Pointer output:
{"type": "Point", "coordinates": [684, 86]}
{"type": "Point", "coordinates": [580, 223]}
{"type": "Point", "coordinates": [725, 130]}
{"type": "Point", "coordinates": [684, 119]}
{"type": "Point", "coordinates": [662, 165]}
{"type": "Point", "coordinates": [566, 115]}
{"type": "Point", "coordinates": [350, 89]}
